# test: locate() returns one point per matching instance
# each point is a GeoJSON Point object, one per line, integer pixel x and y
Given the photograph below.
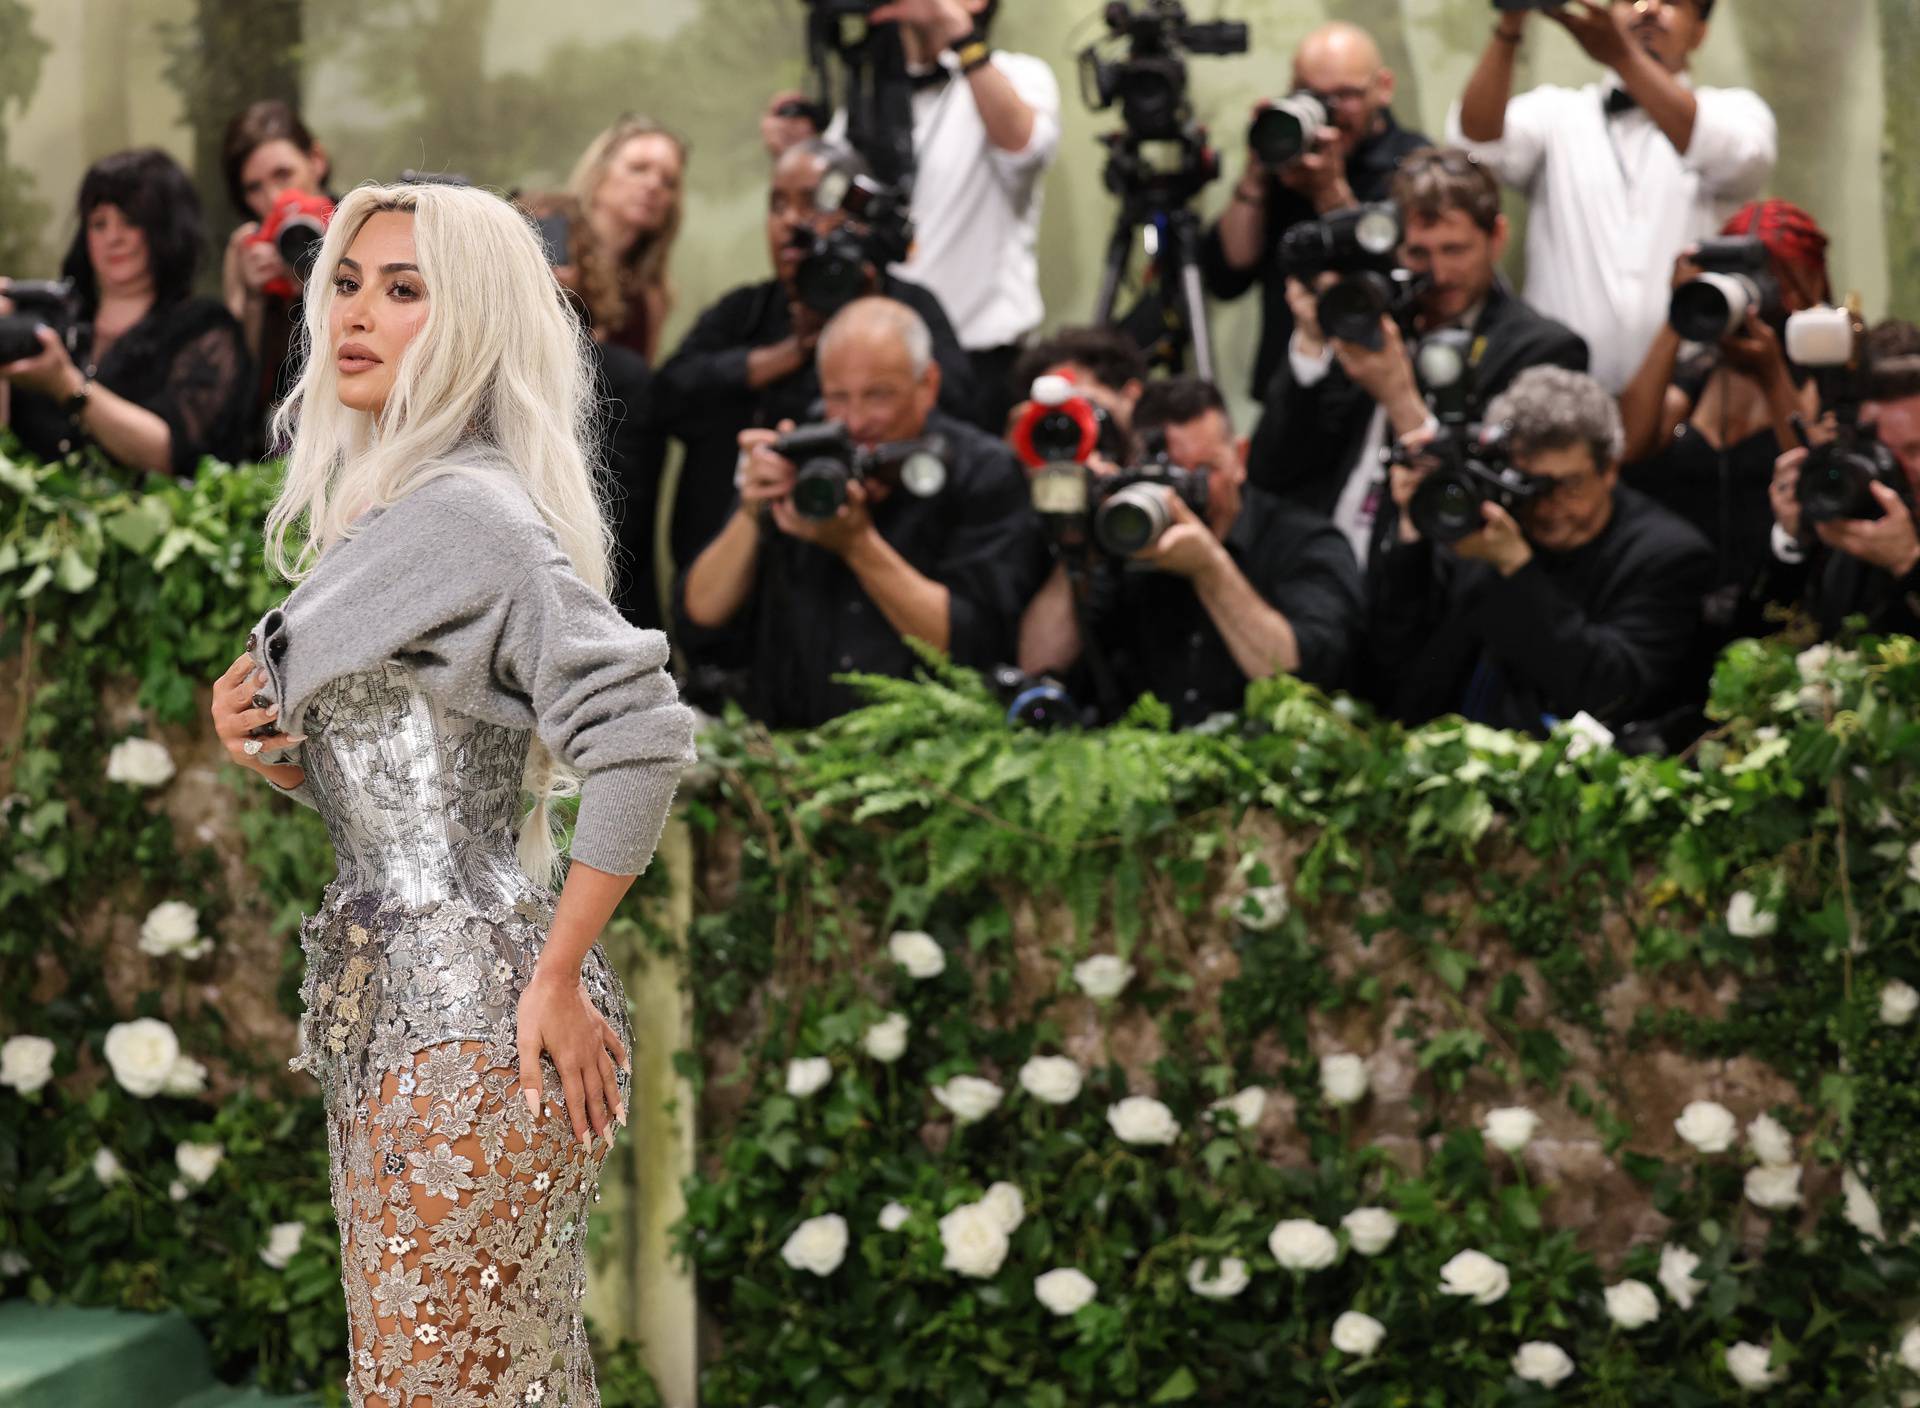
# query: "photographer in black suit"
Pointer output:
{"type": "Point", "coordinates": [1334, 406]}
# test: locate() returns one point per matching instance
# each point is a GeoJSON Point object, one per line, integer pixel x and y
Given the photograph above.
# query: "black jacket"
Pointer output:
{"type": "Point", "coordinates": [1310, 438]}
{"type": "Point", "coordinates": [1370, 171]}
{"type": "Point", "coordinates": [1609, 629]}
{"type": "Point", "coordinates": [1833, 586]}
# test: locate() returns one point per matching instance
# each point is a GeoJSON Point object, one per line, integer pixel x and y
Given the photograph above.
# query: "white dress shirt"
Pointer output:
{"type": "Point", "coordinates": [1613, 204]}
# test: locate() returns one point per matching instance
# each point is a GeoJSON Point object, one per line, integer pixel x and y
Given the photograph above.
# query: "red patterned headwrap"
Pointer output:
{"type": "Point", "coordinates": [1791, 236]}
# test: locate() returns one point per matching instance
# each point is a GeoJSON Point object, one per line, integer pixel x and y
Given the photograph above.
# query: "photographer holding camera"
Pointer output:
{"type": "Point", "coordinates": [1106, 366]}
{"type": "Point", "coordinates": [947, 555]}
{"type": "Point", "coordinates": [1336, 405]}
{"type": "Point", "coordinates": [1245, 589]}
{"type": "Point", "coordinates": [1858, 554]}
{"type": "Point", "coordinates": [1582, 596]}
{"type": "Point", "coordinates": [749, 360]}
{"type": "Point", "coordinates": [1622, 174]}
{"type": "Point", "coordinates": [1352, 159]}
{"type": "Point", "coordinates": [986, 125]}
{"type": "Point", "coordinates": [121, 353]}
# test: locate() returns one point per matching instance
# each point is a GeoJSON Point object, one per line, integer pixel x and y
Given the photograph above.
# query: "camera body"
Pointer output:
{"type": "Point", "coordinates": [1362, 245]}
{"type": "Point", "coordinates": [1475, 461]}
{"type": "Point", "coordinates": [1837, 480]}
{"type": "Point", "coordinates": [1059, 426]}
{"type": "Point", "coordinates": [877, 232]}
{"type": "Point", "coordinates": [1736, 279]}
{"type": "Point", "coordinates": [1120, 514]}
{"type": "Point", "coordinates": [1150, 81]}
{"type": "Point", "coordinates": [294, 226]}
{"type": "Point", "coordinates": [828, 460]}
{"type": "Point", "coordinates": [1287, 129]}
{"type": "Point", "coordinates": [37, 303]}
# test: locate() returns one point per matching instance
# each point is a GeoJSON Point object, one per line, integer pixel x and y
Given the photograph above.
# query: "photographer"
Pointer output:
{"type": "Point", "coordinates": [1335, 406]}
{"type": "Point", "coordinates": [1254, 588]}
{"type": "Point", "coordinates": [985, 128]}
{"type": "Point", "coordinates": [1703, 435]}
{"type": "Point", "coordinates": [1867, 567]}
{"type": "Point", "coordinates": [1622, 174]}
{"type": "Point", "coordinates": [749, 360]}
{"type": "Point", "coordinates": [1585, 598]}
{"type": "Point", "coordinates": [1106, 365]}
{"type": "Point", "coordinates": [814, 598]}
{"type": "Point", "coordinates": [1354, 161]}
{"type": "Point", "coordinates": [154, 376]}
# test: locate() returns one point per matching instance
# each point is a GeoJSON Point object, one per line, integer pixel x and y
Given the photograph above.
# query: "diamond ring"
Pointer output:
{"type": "Point", "coordinates": [252, 747]}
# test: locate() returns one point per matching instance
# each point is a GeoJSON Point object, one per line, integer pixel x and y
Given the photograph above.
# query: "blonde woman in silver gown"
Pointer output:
{"type": "Point", "coordinates": [448, 648]}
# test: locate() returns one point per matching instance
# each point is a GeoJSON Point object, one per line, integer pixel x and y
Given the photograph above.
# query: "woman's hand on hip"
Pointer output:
{"type": "Point", "coordinates": [556, 1017]}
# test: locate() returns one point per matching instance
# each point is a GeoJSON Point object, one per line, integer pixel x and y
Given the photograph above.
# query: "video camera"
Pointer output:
{"type": "Point", "coordinates": [1475, 462]}
{"type": "Point", "coordinates": [38, 303]}
{"type": "Point", "coordinates": [1736, 279]}
{"type": "Point", "coordinates": [1150, 81]}
{"type": "Point", "coordinates": [1362, 245]}
{"type": "Point", "coordinates": [877, 231]}
{"type": "Point", "coordinates": [828, 460]}
{"type": "Point", "coordinates": [1837, 480]}
{"type": "Point", "coordinates": [295, 227]}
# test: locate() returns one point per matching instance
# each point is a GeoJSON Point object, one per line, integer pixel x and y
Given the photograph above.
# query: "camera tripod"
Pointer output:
{"type": "Point", "coordinates": [1155, 201]}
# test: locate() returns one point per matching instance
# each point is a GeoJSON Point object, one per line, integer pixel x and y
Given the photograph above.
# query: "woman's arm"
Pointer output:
{"type": "Point", "coordinates": [1652, 407]}
{"type": "Point", "coordinates": [131, 434]}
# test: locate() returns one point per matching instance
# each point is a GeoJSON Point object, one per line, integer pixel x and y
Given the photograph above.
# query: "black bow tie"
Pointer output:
{"type": "Point", "coordinates": [933, 78]}
{"type": "Point", "coordinates": [1619, 100]}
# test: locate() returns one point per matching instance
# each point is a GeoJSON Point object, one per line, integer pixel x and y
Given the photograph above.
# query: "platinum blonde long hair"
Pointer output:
{"type": "Point", "coordinates": [500, 368]}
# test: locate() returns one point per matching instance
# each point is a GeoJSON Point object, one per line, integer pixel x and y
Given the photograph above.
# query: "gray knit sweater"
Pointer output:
{"type": "Point", "coordinates": [463, 581]}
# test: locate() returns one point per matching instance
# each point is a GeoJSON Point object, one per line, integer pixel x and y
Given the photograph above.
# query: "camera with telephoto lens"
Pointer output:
{"type": "Point", "coordinates": [1736, 279]}
{"type": "Point", "coordinates": [828, 460]}
{"type": "Point", "coordinates": [1362, 245]}
{"type": "Point", "coordinates": [295, 227]}
{"type": "Point", "coordinates": [876, 232]}
{"type": "Point", "coordinates": [1475, 465]}
{"type": "Point", "coordinates": [1130, 510]}
{"type": "Point", "coordinates": [1150, 81]}
{"type": "Point", "coordinates": [38, 303]}
{"type": "Point", "coordinates": [1287, 129]}
{"type": "Point", "coordinates": [1034, 701]}
{"type": "Point", "coordinates": [1837, 479]}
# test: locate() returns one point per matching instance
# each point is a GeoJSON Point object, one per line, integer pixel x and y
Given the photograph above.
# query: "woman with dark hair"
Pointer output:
{"type": "Point", "coordinates": [627, 186]}
{"type": "Point", "coordinates": [156, 377]}
{"type": "Point", "coordinates": [268, 151]}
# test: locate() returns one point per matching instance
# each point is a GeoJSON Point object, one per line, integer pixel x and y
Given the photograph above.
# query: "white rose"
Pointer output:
{"type": "Point", "coordinates": [1510, 1128]}
{"type": "Point", "coordinates": [198, 1161]}
{"type": "Point", "coordinates": [282, 1242]}
{"type": "Point", "coordinates": [1263, 908]}
{"type": "Point", "coordinates": [1003, 1200]}
{"type": "Point", "coordinates": [1770, 1142]}
{"type": "Point", "coordinates": [1860, 1210]}
{"type": "Point", "coordinates": [1749, 1365]}
{"type": "Point", "coordinates": [1477, 1275]}
{"type": "Point", "coordinates": [1139, 1119]}
{"type": "Point", "coordinates": [107, 1167]}
{"type": "Point", "coordinates": [142, 1053]}
{"type": "Point", "coordinates": [974, 1241]}
{"type": "Point", "coordinates": [1372, 1230]}
{"type": "Point", "coordinates": [918, 953]}
{"type": "Point", "coordinates": [177, 1190]}
{"type": "Point", "coordinates": [1707, 1125]}
{"type": "Point", "coordinates": [1898, 1003]}
{"type": "Point", "coordinates": [886, 1039]}
{"type": "Point", "coordinates": [1814, 661]}
{"type": "Point", "coordinates": [1343, 1079]}
{"type": "Point", "coordinates": [1103, 977]}
{"type": "Point", "coordinates": [1745, 918]}
{"type": "Point", "coordinates": [1054, 1080]}
{"type": "Point", "coordinates": [1632, 1304]}
{"type": "Point", "coordinates": [1357, 1334]}
{"type": "Point", "coordinates": [1247, 1106]}
{"type": "Point", "coordinates": [818, 1245]}
{"type": "Point", "coordinates": [1224, 1284]}
{"type": "Point", "coordinates": [1677, 1266]}
{"type": "Point", "coordinates": [1773, 1188]}
{"type": "Point", "coordinates": [1910, 1348]}
{"type": "Point", "coordinates": [1063, 1290]}
{"type": "Point", "coordinates": [1586, 734]}
{"type": "Point", "coordinates": [26, 1063]}
{"type": "Point", "coordinates": [808, 1075]}
{"type": "Point", "coordinates": [185, 1077]}
{"type": "Point", "coordinates": [1542, 1363]}
{"type": "Point", "coordinates": [1300, 1244]}
{"type": "Point", "coordinates": [893, 1217]}
{"type": "Point", "coordinates": [969, 1098]}
{"type": "Point", "coordinates": [171, 927]}
{"type": "Point", "coordinates": [139, 761]}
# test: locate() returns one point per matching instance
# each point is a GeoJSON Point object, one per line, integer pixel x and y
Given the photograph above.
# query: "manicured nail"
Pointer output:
{"type": "Point", "coordinates": [533, 1103]}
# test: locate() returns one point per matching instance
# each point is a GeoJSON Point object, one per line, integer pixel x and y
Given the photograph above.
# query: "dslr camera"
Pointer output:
{"type": "Point", "coordinates": [39, 303]}
{"type": "Point", "coordinates": [1736, 279]}
{"type": "Point", "coordinates": [1060, 427]}
{"type": "Point", "coordinates": [1120, 514]}
{"type": "Point", "coordinates": [1837, 480]}
{"type": "Point", "coordinates": [876, 232]}
{"type": "Point", "coordinates": [1150, 81]}
{"type": "Point", "coordinates": [1362, 245]}
{"type": "Point", "coordinates": [1286, 129]}
{"type": "Point", "coordinates": [828, 460]}
{"type": "Point", "coordinates": [295, 226]}
{"type": "Point", "coordinates": [1475, 461]}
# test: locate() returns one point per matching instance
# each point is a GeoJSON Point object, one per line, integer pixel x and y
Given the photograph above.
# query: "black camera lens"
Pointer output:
{"type": "Point", "coordinates": [1287, 130]}
{"type": "Point", "coordinates": [1712, 306]}
{"type": "Point", "coordinates": [1132, 519]}
{"type": "Point", "coordinates": [18, 338]}
{"type": "Point", "coordinates": [1056, 436]}
{"type": "Point", "coordinates": [820, 488]}
{"type": "Point", "coordinates": [1837, 482]}
{"type": "Point", "coordinates": [1351, 310]}
{"type": "Point", "coordinates": [1446, 507]}
{"type": "Point", "coordinates": [299, 242]}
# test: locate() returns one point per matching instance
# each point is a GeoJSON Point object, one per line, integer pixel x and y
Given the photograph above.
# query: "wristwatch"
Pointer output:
{"type": "Point", "coordinates": [973, 54]}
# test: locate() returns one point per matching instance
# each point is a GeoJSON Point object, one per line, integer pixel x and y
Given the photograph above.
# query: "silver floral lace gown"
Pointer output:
{"type": "Point", "coordinates": [462, 1219]}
